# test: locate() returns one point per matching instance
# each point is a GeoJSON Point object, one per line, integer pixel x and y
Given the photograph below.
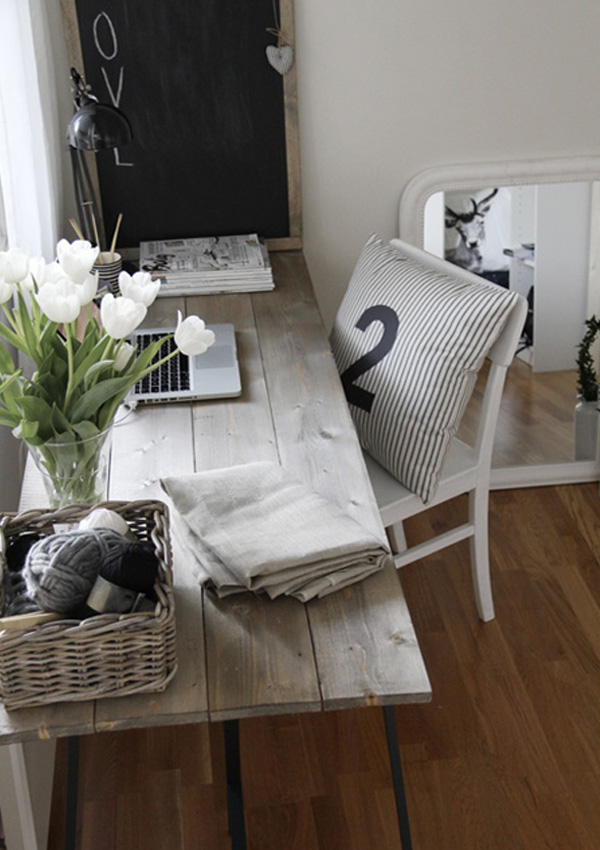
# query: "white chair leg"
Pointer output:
{"type": "Point", "coordinates": [397, 538]}
{"type": "Point", "coordinates": [480, 557]}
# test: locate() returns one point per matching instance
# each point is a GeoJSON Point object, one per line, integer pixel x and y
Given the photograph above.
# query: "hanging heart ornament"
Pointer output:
{"type": "Point", "coordinates": [281, 58]}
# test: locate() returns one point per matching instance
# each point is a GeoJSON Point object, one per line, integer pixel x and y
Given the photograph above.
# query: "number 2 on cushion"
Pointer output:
{"type": "Point", "coordinates": [388, 318]}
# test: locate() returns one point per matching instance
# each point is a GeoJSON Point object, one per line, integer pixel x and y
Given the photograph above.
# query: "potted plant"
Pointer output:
{"type": "Point", "coordinates": [586, 408]}
{"type": "Point", "coordinates": [83, 365]}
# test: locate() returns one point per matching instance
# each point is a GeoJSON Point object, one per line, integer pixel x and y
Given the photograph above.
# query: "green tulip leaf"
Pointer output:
{"type": "Point", "coordinates": [64, 438]}
{"type": "Point", "coordinates": [5, 383]}
{"type": "Point", "coordinates": [59, 368]}
{"type": "Point", "coordinates": [54, 389]}
{"type": "Point", "coordinates": [93, 399]}
{"type": "Point", "coordinates": [6, 361]}
{"type": "Point", "coordinates": [46, 338]}
{"type": "Point", "coordinates": [9, 418]}
{"type": "Point", "coordinates": [36, 410]}
{"type": "Point", "coordinates": [88, 362]}
{"type": "Point", "coordinates": [90, 341]}
{"type": "Point", "coordinates": [13, 339]}
{"type": "Point", "coordinates": [13, 391]}
{"type": "Point", "coordinates": [27, 431]}
{"type": "Point", "coordinates": [59, 421]}
{"type": "Point", "coordinates": [34, 407]}
{"type": "Point", "coordinates": [95, 370]}
{"type": "Point", "coordinates": [28, 329]}
{"type": "Point", "coordinates": [92, 330]}
{"type": "Point", "coordinates": [143, 360]}
{"type": "Point", "coordinates": [86, 429]}
{"type": "Point", "coordinates": [59, 345]}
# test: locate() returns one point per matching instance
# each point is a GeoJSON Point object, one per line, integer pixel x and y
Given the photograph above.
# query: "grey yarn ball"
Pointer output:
{"type": "Point", "coordinates": [60, 570]}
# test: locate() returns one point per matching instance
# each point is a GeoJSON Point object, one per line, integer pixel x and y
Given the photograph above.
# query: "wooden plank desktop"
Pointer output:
{"type": "Point", "coordinates": [245, 656]}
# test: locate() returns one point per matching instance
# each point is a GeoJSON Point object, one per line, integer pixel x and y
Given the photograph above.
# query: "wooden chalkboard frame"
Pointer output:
{"type": "Point", "coordinates": [290, 105]}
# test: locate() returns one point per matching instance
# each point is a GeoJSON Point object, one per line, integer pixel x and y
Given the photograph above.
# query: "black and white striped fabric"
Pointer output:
{"type": "Point", "coordinates": [408, 343]}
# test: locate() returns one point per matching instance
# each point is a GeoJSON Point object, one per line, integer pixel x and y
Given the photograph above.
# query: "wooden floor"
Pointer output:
{"type": "Point", "coordinates": [506, 756]}
{"type": "Point", "coordinates": [535, 424]}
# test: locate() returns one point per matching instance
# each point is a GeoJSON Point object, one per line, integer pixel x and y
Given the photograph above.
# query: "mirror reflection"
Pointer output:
{"type": "Point", "coordinates": [534, 239]}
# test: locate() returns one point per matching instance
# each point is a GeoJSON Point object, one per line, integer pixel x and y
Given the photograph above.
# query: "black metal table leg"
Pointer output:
{"type": "Point", "coordinates": [397, 778]}
{"type": "Point", "coordinates": [235, 799]}
{"type": "Point", "coordinates": [72, 787]}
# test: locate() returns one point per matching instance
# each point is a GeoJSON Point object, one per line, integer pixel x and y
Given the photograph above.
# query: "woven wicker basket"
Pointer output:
{"type": "Point", "coordinates": [104, 656]}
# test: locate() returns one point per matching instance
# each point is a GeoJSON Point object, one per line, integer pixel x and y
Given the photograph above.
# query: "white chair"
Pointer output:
{"type": "Point", "coordinates": [466, 468]}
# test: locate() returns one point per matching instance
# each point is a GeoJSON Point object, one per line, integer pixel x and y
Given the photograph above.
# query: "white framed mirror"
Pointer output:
{"type": "Point", "coordinates": [566, 274]}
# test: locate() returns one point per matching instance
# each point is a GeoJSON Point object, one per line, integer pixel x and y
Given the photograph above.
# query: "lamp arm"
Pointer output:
{"type": "Point", "coordinates": [85, 196]}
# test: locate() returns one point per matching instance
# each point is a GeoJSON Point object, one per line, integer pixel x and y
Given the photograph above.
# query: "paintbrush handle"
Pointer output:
{"type": "Point", "coordinates": [113, 244]}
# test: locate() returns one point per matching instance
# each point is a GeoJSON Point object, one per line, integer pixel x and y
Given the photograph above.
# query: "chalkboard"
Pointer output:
{"type": "Point", "coordinates": [213, 152]}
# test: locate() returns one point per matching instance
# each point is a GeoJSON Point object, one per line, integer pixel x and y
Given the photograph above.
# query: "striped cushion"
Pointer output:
{"type": "Point", "coordinates": [408, 343]}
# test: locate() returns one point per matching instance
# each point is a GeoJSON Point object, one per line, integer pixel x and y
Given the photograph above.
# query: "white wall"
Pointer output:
{"type": "Point", "coordinates": [390, 88]}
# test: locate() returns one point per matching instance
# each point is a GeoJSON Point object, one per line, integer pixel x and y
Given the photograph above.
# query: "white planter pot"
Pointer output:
{"type": "Point", "coordinates": [586, 419]}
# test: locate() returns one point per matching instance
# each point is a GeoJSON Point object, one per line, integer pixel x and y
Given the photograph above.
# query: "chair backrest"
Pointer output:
{"type": "Point", "coordinates": [503, 350]}
{"type": "Point", "coordinates": [500, 354]}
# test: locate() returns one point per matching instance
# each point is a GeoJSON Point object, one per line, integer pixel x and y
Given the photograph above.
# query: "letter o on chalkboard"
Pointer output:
{"type": "Point", "coordinates": [111, 34]}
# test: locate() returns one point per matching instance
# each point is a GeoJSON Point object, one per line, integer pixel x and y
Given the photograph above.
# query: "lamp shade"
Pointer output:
{"type": "Point", "coordinates": [98, 126]}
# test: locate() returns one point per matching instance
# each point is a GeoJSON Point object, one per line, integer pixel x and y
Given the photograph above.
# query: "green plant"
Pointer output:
{"type": "Point", "coordinates": [83, 366]}
{"type": "Point", "coordinates": [587, 378]}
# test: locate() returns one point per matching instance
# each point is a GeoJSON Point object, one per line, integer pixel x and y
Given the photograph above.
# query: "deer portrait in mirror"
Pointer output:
{"type": "Point", "coordinates": [470, 228]}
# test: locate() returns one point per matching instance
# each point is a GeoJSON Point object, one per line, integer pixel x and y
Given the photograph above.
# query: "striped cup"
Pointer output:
{"type": "Point", "coordinates": [108, 272]}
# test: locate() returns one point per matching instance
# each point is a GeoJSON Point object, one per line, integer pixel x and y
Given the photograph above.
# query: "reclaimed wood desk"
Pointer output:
{"type": "Point", "coordinates": [242, 656]}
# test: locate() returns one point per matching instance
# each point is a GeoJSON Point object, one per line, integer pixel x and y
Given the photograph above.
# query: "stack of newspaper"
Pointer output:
{"type": "Point", "coordinates": [208, 265]}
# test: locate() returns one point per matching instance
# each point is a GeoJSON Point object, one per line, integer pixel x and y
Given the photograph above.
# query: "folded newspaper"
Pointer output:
{"type": "Point", "coordinates": [208, 264]}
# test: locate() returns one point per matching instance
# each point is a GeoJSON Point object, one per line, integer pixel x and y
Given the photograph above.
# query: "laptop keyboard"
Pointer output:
{"type": "Point", "coordinates": [172, 376]}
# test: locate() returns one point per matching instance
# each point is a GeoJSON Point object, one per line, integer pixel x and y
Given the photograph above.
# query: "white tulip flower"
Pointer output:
{"type": "Point", "coordinates": [121, 316]}
{"type": "Point", "coordinates": [139, 287]}
{"type": "Point", "coordinates": [76, 258]}
{"type": "Point", "coordinates": [88, 289]}
{"type": "Point", "coordinates": [123, 356]}
{"type": "Point", "coordinates": [192, 336]}
{"type": "Point", "coordinates": [59, 300]}
{"type": "Point", "coordinates": [53, 273]}
{"type": "Point", "coordinates": [14, 265]}
{"type": "Point", "coordinates": [6, 291]}
{"type": "Point", "coordinates": [37, 273]}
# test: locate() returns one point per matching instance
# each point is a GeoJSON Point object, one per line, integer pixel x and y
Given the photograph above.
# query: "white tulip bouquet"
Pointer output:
{"type": "Point", "coordinates": [83, 367]}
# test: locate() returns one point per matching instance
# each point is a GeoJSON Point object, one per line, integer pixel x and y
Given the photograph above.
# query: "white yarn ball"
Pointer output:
{"type": "Point", "coordinates": [104, 518]}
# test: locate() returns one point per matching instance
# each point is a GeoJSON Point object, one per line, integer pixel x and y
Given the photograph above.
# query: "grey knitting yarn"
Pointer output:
{"type": "Point", "coordinates": [60, 570]}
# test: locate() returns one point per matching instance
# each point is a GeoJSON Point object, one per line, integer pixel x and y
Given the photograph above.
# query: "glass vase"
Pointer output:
{"type": "Point", "coordinates": [74, 471]}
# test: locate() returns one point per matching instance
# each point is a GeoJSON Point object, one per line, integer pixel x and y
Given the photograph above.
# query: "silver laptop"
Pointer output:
{"type": "Point", "coordinates": [214, 374]}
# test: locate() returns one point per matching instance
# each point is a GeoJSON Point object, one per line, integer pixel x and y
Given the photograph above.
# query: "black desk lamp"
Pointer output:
{"type": "Point", "coordinates": [94, 126]}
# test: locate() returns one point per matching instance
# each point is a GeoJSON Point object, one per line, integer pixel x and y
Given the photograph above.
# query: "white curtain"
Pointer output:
{"type": "Point", "coordinates": [32, 145]}
{"type": "Point", "coordinates": [31, 135]}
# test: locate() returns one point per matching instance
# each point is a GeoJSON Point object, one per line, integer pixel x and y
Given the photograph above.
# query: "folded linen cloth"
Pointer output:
{"type": "Point", "coordinates": [253, 527]}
